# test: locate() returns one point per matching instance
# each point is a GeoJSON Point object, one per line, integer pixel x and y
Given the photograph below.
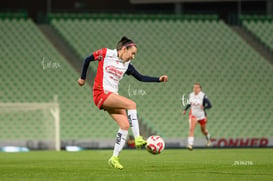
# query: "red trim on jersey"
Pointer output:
{"type": "Point", "coordinates": [99, 96]}
{"type": "Point", "coordinates": [99, 55]}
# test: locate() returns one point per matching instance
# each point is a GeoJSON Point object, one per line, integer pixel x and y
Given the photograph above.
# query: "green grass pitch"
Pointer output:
{"type": "Point", "coordinates": [180, 164]}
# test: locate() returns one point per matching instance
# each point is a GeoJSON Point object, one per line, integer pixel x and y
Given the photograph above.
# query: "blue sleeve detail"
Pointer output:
{"type": "Point", "coordinates": [206, 103]}
{"type": "Point", "coordinates": [132, 71]}
{"type": "Point", "coordinates": [85, 65]}
{"type": "Point", "coordinates": [187, 107]}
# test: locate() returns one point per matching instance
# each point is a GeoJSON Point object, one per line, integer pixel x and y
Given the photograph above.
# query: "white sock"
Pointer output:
{"type": "Point", "coordinates": [132, 116]}
{"type": "Point", "coordinates": [190, 140]}
{"type": "Point", "coordinates": [120, 141]}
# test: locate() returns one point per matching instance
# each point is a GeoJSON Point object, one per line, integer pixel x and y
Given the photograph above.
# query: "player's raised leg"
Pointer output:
{"type": "Point", "coordinates": [206, 133]}
{"type": "Point", "coordinates": [119, 115]}
{"type": "Point", "coordinates": [117, 101]}
{"type": "Point", "coordinates": [192, 122]}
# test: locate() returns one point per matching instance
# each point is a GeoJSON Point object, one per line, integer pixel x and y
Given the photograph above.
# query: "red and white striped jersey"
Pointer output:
{"type": "Point", "coordinates": [110, 70]}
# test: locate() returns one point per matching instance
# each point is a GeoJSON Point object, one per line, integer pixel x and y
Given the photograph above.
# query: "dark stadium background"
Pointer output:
{"type": "Point", "coordinates": [226, 9]}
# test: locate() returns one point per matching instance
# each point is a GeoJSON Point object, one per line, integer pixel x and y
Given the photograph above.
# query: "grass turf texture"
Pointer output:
{"type": "Point", "coordinates": [200, 164]}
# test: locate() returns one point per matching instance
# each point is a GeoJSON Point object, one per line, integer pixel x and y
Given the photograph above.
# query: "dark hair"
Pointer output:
{"type": "Point", "coordinates": [125, 42]}
{"type": "Point", "coordinates": [197, 83]}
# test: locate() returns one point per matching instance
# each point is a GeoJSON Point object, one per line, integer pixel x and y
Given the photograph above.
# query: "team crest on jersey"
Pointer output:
{"type": "Point", "coordinates": [100, 57]}
{"type": "Point", "coordinates": [99, 53]}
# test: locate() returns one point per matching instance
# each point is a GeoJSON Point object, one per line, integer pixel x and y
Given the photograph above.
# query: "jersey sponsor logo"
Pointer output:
{"type": "Point", "coordinates": [113, 78]}
{"type": "Point", "coordinates": [114, 71]}
{"type": "Point", "coordinates": [195, 104]}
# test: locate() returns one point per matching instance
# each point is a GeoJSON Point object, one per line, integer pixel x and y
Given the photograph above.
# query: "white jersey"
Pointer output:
{"type": "Point", "coordinates": [110, 70]}
{"type": "Point", "coordinates": [196, 102]}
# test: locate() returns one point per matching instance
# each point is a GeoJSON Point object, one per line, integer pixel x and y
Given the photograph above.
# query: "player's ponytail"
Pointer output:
{"type": "Point", "coordinates": [125, 42]}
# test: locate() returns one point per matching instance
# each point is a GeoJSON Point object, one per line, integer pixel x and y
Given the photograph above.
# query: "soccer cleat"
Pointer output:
{"type": "Point", "coordinates": [114, 162]}
{"type": "Point", "coordinates": [189, 147]}
{"type": "Point", "coordinates": [139, 142]}
{"type": "Point", "coordinates": [209, 142]}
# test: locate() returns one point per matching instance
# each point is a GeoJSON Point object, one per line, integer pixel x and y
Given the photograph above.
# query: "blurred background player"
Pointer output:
{"type": "Point", "coordinates": [113, 64]}
{"type": "Point", "coordinates": [198, 102]}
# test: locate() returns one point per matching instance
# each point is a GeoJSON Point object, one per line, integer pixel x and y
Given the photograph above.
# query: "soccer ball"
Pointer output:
{"type": "Point", "coordinates": [155, 145]}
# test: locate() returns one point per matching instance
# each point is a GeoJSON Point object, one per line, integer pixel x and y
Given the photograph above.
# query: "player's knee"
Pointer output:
{"type": "Point", "coordinates": [131, 105]}
{"type": "Point", "coordinates": [192, 128]}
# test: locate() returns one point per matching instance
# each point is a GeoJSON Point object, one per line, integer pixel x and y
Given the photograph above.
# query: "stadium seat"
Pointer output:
{"type": "Point", "coordinates": [261, 27]}
{"type": "Point", "coordinates": [187, 51]}
{"type": "Point", "coordinates": [24, 50]}
{"type": "Point", "coordinates": [234, 76]}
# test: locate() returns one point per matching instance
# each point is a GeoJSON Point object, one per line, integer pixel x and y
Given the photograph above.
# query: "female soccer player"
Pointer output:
{"type": "Point", "coordinates": [199, 102]}
{"type": "Point", "coordinates": [113, 64]}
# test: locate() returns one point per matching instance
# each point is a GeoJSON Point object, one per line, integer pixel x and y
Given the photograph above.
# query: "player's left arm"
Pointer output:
{"type": "Point", "coordinates": [143, 78]}
{"type": "Point", "coordinates": [206, 103]}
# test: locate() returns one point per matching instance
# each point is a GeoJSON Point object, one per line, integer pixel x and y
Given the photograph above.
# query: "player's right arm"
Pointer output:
{"type": "Point", "coordinates": [186, 108]}
{"type": "Point", "coordinates": [85, 66]}
{"type": "Point", "coordinates": [97, 55]}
